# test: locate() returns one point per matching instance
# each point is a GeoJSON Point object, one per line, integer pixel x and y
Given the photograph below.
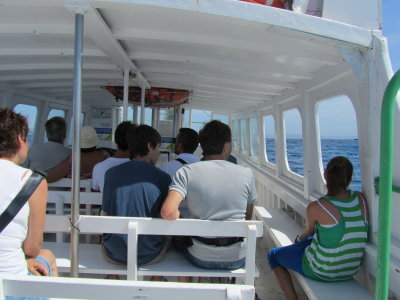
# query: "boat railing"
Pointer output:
{"type": "Point", "coordinates": [385, 187]}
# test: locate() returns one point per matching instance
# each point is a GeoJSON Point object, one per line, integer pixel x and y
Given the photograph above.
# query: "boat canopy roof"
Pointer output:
{"type": "Point", "coordinates": [231, 55]}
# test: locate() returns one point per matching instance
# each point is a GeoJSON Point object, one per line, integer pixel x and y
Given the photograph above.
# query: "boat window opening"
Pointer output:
{"type": "Point", "coordinates": [147, 115]}
{"type": "Point", "coordinates": [294, 141]}
{"type": "Point", "coordinates": [54, 112]}
{"type": "Point", "coordinates": [243, 136]}
{"type": "Point", "coordinates": [222, 118]}
{"type": "Point", "coordinates": [254, 150]}
{"type": "Point", "coordinates": [339, 135]}
{"type": "Point", "coordinates": [200, 118]}
{"type": "Point", "coordinates": [30, 112]}
{"type": "Point", "coordinates": [270, 140]}
{"type": "Point", "coordinates": [167, 114]}
{"type": "Point", "coordinates": [71, 127]}
{"type": "Point", "coordinates": [235, 133]}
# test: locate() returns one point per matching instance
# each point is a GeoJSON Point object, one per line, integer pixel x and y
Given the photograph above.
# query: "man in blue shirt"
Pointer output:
{"type": "Point", "coordinates": [136, 189]}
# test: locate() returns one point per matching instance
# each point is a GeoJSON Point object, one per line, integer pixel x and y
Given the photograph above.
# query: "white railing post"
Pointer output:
{"type": "Point", "coordinates": [250, 264]}
{"type": "Point", "coordinates": [132, 251]}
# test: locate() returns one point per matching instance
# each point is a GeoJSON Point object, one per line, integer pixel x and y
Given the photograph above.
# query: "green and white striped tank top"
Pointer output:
{"type": "Point", "coordinates": [340, 261]}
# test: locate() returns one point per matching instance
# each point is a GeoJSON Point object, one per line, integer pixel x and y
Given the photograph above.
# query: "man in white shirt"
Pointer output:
{"type": "Point", "coordinates": [186, 143]}
{"type": "Point", "coordinates": [120, 157]}
{"type": "Point", "coordinates": [214, 189]}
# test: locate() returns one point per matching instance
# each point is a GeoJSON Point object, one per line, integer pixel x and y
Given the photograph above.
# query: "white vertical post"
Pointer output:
{"type": "Point", "coordinates": [76, 151]}
{"type": "Point", "coordinates": [250, 261]}
{"type": "Point", "coordinates": [126, 95]}
{"type": "Point", "coordinates": [155, 117]}
{"type": "Point", "coordinates": [190, 118]}
{"type": "Point", "coordinates": [142, 110]}
{"type": "Point", "coordinates": [132, 251]}
{"type": "Point", "coordinates": [135, 114]}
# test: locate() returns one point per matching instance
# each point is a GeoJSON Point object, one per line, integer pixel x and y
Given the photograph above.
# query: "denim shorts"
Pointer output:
{"type": "Point", "coordinates": [228, 265]}
{"type": "Point", "coordinates": [289, 257]}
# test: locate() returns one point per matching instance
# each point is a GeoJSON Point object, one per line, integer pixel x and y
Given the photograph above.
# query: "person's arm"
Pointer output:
{"type": "Point", "coordinates": [364, 207]}
{"type": "Point", "coordinates": [36, 220]}
{"type": "Point", "coordinates": [249, 211]}
{"type": "Point", "coordinates": [59, 171]}
{"type": "Point", "coordinates": [169, 210]}
{"type": "Point", "coordinates": [311, 221]}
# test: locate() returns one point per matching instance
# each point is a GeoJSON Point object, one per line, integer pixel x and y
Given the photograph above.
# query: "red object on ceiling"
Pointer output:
{"type": "Point", "coordinates": [274, 3]}
{"type": "Point", "coordinates": [154, 97]}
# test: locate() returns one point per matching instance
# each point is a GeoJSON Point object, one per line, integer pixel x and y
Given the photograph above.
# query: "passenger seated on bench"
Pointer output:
{"type": "Point", "coordinates": [121, 156]}
{"type": "Point", "coordinates": [214, 189]}
{"type": "Point", "coordinates": [332, 247]}
{"type": "Point", "coordinates": [90, 156]}
{"type": "Point", "coordinates": [136, 189]}
{"type": "Point", "coordinates": [186, 143]}
{"type": "Point", "coordinates": [44, 156]}
{"type": "Point", "coordinates": [21, 240]}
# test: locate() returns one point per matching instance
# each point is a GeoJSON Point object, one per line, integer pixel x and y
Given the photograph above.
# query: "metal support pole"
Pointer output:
{"type": "Point", "coordinates": [135, 114]}
{"type": "Point", "coordinates": [155, 117]}
{"type": "Point", "coordinates": [126, 95]}
{"type": "Point", "coordinates": [175, 126]}
{"type": "Point", "coordinates": [385, 187]}
{"type": "Point", "coordinates": [76, 151]}
{"type": "Point", "coordinates": [190, 118]}
{"type": "Point", "coordinates": [143, 94]}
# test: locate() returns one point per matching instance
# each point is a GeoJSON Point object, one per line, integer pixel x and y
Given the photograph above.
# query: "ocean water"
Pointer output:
{"type": "Point", "coordinates": [330, 149]}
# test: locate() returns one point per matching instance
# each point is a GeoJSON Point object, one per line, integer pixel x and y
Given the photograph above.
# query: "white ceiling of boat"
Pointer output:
{"type": "Point", "coordinates": [232, 55]}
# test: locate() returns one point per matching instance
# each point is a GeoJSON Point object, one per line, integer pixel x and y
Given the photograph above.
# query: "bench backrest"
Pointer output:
{"type": "Point", "coordinates": [85, 184]}
{"type": "Point", "coordinates": [81, 288]}
{"type": "Point", "coordinates": [148, 226]}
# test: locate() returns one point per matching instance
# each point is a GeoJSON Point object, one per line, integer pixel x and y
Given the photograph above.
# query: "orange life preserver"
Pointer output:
{"type": "Point", "coordinates": [274, 3]}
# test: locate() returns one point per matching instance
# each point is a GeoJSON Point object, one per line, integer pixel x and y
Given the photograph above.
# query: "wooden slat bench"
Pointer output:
{"type": "Point", "coordinates": [82, 288]}
{"type": "Point", "coordinates": [174, 264]}
{"type": "Point", "coordinates": [282, 230]}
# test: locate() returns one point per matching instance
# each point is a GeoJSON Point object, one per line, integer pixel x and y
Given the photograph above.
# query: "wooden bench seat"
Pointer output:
{"type": "Point", "coordinates": [174, 264]}
{"type": "Point", "coordinates": [282, 230]}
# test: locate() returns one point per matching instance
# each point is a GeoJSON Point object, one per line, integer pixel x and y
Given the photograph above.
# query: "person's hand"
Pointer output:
{"type": "Point", "coordinates": [36, 267]}
{"type": "Point", "coordinates": [298, 238]}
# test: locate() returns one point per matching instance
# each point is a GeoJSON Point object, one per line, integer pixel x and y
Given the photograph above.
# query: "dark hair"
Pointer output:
{"type": "Point", "coordinates": [12, 125]}
{"type": "Point", "coordinates": [213, 137]}
{"type": "Point", "coordinates": [338, 175]}
{"type": "Point", "coordinates": [189, 139]}
{"type": "Point", "coordinates": [56, 129]}
{"type": "Point", "coordinates": [120, 134]}
{"type": "Point", "coordinates": [139, 137]}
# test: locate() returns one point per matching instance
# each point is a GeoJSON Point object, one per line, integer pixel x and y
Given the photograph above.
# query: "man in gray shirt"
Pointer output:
{"type": "Point", "coordinates": [45, 156]}
{"type": "Point", "coordinates": [214, 189]}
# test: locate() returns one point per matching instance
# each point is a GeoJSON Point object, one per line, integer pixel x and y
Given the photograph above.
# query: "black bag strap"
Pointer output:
{"type": "Point", "coordinates": [19, 201]}
{"type": "Point", "coordinates": [181, 161]}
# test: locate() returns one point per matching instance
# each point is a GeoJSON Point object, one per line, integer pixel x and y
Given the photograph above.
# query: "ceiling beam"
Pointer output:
{"type": "Point", "coordinates": [101, 34]}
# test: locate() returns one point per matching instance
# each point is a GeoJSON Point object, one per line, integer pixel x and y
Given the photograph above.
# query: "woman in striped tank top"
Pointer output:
{"type": "Point", "coordinates": [332, 247]}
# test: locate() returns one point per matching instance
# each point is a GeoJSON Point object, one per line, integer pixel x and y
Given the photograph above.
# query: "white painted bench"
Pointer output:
{"type": "Point", "coordinates": [282, 231]}
{"type": "Point", "coordinates": [85, 184]}
{"type": "Point", "coordinates": [174, 264]}
{"type": "Point", "coordinates": [82, 288]}
{"type": "Point", "coordinates": [56, 201]}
